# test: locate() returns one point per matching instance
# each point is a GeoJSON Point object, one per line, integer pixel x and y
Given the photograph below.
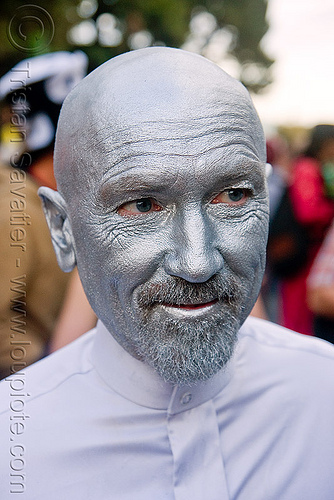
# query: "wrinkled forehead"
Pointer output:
{"type": "Point", "coordinates": [152, 101]}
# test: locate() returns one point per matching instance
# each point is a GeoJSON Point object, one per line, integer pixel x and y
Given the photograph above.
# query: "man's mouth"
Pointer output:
{"type": "Point", "coordinates": [189, 307]}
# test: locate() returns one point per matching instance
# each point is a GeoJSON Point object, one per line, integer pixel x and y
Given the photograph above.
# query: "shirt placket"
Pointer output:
{"type": "Point", "coordinates": [199, 471]}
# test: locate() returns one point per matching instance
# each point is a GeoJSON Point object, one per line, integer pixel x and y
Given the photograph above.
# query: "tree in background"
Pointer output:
{"type": "Point", "coordinates": [228, 32]}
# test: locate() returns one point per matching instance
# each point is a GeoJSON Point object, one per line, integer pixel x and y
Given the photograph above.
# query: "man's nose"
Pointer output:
{"type": "Point", "coordinates": [194, 253]}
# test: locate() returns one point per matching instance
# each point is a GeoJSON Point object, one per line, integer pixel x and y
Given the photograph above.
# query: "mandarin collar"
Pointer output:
{"type": "Point", "coordinates": [141, 384]}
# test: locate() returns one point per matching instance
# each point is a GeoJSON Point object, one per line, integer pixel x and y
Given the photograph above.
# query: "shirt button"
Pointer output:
{"type": "Point", "coordinates": [186, 398]}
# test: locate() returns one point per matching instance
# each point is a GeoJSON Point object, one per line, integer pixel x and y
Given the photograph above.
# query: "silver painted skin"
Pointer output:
{"type": "Point", "coordinates": [168, 126]}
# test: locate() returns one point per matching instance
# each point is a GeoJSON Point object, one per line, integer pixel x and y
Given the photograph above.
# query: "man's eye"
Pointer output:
{"type": "Point", "coordinates": [139, 207]}
{"type": "Point", "coordinates": [234, 196]}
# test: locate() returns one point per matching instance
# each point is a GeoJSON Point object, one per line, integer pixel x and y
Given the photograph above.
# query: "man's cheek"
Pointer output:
{"type": "Point", "coordinates": [141, 256]}
{"type": "Point", "coordinates": [248, 256]}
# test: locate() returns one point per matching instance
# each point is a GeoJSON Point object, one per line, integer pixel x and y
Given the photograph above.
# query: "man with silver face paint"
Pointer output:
{"type": "Point", "coordinates": [173, 202]}
{"type": "Point", "coordinates": [162, 205]}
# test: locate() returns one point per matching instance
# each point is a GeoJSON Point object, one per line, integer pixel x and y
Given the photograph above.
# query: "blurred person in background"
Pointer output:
{"type": "Point", "coordinates": [320, 289]}
{"type": "Point", "coordinates": [311, 194]}
{"type": "Point", "coordinates": [280, 158]}
{"type": "Point", "coordinates": [32, 285]}
{"type": "Point", "coordinates": [76, 316]}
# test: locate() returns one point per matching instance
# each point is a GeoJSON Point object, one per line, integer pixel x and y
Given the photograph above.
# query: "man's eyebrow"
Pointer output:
{"type": "Point", "coordinates": [117, 185]}
{"type": "Point", "coordinates": [239, 170]}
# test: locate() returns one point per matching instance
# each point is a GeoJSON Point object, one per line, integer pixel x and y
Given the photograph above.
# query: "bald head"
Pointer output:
{"type": "Point", "coordinates": [149, 97]}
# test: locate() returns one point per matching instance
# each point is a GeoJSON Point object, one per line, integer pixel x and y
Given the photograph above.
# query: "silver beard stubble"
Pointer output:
{"type": "Point", "coordinates": [185, 351]}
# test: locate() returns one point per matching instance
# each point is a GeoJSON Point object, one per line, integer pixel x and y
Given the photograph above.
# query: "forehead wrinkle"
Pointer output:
{"type": "Point", "coordinates": [140, 130]}
{"type": "Point", "coordinates": [215, 158]}
{"type": "Point", "coordinates": [129, 161]}
{"type": "Point", "coordinates": [140, 161]}
{"type": "Point", "coordinates": [142, 172]}
{"type": "Point", "coordinates": [128, 146]}
{"type": "Point", "coordinates": [135, 178]}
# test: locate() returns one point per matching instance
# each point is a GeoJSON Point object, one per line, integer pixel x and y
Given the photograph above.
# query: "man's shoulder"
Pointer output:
{"type": "Point", "coordinates": [270, 334]}
{"type": "Point", "coordinates": [274, 343]}
{"type": "Point", "coordinates": [50, 373]}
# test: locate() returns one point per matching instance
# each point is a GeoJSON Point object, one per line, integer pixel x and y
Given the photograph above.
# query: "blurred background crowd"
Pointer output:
{"type": "Point", "coordinates": [45, 50]}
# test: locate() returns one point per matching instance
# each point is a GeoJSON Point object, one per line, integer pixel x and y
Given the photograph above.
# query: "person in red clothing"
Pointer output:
{"type": "Point", "coordinates": [314, 209]}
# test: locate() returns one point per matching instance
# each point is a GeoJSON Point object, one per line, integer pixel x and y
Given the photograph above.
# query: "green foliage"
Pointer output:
{"type": "Point", "coordinates": [165, 21]}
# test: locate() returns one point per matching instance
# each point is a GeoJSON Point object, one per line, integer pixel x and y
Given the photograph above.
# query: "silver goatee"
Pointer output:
{"type": "Point", "coordinates": [185, 350]}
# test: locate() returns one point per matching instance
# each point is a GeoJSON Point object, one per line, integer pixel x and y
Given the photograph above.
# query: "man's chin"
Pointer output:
{"type": "Point", "coordinates": [184, 349]}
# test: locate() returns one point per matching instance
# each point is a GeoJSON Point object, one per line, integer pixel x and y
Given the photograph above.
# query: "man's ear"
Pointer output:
{"type": "Point", "coordinates": [55, 211]}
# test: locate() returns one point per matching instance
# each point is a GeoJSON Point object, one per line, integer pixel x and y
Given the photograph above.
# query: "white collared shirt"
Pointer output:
{"type": "Point", "coordinates": [91, 422]}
